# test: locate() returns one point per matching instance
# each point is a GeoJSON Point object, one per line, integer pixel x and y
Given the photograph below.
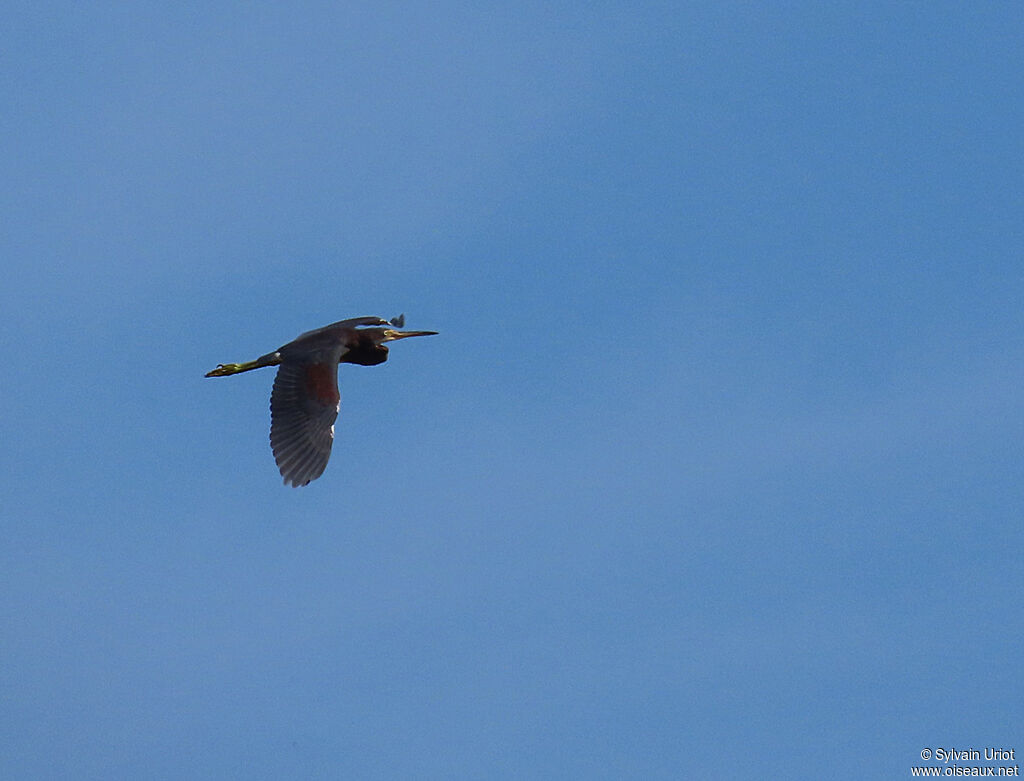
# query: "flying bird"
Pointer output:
{"type": "Point", "coordinates": [305, 400]}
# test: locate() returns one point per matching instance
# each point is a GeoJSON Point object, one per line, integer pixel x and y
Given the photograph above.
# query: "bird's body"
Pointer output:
{"type": "Point", "coordinates": [305, 401]}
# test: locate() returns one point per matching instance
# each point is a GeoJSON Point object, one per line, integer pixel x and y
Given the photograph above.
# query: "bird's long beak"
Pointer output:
{"type": "Point", "coordinates": [390, 336]}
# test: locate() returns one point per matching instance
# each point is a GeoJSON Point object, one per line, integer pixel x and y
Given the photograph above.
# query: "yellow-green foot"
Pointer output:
{"type": "Point", "coordinates": [225, 369]}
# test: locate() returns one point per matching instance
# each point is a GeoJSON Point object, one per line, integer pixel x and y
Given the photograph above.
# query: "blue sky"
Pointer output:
{"type": "Point", "coordinates": [715, 469]}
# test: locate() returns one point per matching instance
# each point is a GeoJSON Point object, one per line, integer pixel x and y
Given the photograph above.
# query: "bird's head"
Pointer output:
{"type": "Point", "coordinates": [370, 348]}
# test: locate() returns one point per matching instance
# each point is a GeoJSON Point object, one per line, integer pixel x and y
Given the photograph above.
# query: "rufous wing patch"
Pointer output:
{"type": "Point", "coordinates": [321, 384]}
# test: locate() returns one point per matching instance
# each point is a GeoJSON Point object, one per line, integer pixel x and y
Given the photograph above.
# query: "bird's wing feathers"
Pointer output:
{"type": "Point", "coordinates": [303, 407]}
{"type": "Point", "coordinates": [350, 323]}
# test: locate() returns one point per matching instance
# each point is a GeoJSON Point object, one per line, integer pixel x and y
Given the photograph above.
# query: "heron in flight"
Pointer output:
{"type": "Point", "coordinates": [305, 400]}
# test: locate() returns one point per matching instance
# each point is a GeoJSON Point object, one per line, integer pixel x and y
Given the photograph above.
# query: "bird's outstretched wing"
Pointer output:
{"type": "Point", "coordinates": [303, 407]}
